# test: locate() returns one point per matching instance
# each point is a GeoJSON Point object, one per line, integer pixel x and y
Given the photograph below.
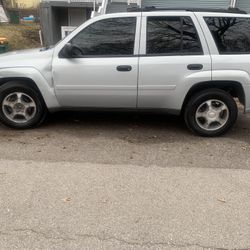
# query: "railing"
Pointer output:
{"type": "Point", "coordinates": [138, 2]}
{"type": "Point", "coordinates": [103, 7]}
{"type": "Point", "coordinates": [232, 3]}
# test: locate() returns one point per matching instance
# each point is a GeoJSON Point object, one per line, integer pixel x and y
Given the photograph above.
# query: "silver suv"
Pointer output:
{"type": "Point", "coordinates": [188, 62]}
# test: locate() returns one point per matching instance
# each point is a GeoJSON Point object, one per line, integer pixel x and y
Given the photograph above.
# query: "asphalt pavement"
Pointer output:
{"type": "Point", "coordinates": [109, 180]}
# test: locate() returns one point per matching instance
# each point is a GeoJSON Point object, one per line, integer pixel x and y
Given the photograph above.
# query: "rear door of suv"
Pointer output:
{"type": "Point", "coordinates": [228, 36]}
{"type": "Point", "coordinates": [173, 57]}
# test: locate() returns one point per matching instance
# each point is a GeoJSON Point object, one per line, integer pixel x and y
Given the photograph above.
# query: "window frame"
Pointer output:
{"type": "Point", "coordinates": [62, 44]}
{"type": "Point", "coordinates": [176, 53]}
{"type": "Point", "coordinates": [215, 42]}
{"type": "Point", "coordinates": [198, 27]}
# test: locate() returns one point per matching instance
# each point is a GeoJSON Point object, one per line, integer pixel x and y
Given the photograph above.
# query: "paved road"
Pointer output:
{"type": "Point", "coordinates": [113, 138]}
{"type": "Point", "coordinates": [123, 181]}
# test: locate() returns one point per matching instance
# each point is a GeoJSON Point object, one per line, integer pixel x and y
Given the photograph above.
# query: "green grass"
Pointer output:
{"type": "Point", "coordinates": [21, 36]}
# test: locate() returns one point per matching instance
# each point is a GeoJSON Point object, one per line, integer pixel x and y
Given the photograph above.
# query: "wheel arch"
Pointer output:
{"type": "Point", "coordinates": [33, 78]}
{"type": "Point", "coordinates": [26, 81]}
{"type": "Point", "coordinates": [233, 87]}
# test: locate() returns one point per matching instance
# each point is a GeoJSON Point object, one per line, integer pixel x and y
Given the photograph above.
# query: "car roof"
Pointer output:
{"type": "Point", "coordinates": [203, 10]}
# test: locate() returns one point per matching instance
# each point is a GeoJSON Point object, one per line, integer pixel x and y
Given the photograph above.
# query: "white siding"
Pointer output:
{"type": "Point", "coordinates": [188, 3]}
{"type": "Point", "coordinates": [243, 5]}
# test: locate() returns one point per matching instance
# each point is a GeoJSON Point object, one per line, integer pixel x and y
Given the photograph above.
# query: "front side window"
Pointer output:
{"type": "Point", "coordinates": [114, 36]}
{"type": "Point", "coordinates": [172, 35]}
{"type": "Point", "coordinates": [231, 34]}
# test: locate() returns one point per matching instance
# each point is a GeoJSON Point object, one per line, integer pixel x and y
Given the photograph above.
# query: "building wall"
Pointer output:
{"type": "Point", "coordinates": [188, 3]}
{"type": "Point", "coordinates": [243, 5]}
{"type": "Point", "coordinates": [76, 16]}
{"type": "Point", "coordinates": [55, 14]}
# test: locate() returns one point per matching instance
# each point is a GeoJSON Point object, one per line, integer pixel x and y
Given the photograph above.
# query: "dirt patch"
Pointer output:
{"type": "Point", "coordinates": [21, 36]}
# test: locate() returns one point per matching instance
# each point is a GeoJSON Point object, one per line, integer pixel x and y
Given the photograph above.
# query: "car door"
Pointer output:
{"type": "Point", "coordinates": [103, 71]}
{"type": "Point", "coordinates": [229, 43]}
{"type": "Point", "coordinates": [173, 58]}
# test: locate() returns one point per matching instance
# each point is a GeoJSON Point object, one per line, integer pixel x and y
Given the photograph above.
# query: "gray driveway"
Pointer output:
{"type": "Point", "coordinates": [123, 181]}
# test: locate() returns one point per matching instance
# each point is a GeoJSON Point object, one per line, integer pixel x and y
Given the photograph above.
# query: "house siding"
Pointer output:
{"type": "Point", "coordinates": [243, 5]}
{"type": "Point", "coordinates": [188, 3]}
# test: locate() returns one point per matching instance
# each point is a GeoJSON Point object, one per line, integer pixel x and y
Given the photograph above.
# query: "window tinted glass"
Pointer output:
{"type": "Point", "coordinates": [172, 35]}
{"type": "Point", "coordinates": [115, 36]}
{"type": "Point", "coordinates": [231, 34]}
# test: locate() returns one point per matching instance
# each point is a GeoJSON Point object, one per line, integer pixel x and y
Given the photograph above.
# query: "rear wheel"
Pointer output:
{"type": "Point", "coordinates": [21, 106]}
{"type": "Point", "coordinates": [211, 113]}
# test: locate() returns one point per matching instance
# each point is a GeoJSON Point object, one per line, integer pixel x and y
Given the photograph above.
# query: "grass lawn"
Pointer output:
{"type": "Point", "coordinates": [21, 36]}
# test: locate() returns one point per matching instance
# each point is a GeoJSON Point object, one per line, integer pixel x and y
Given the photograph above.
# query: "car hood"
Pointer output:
{"type": "Point", "coordinates": [36, 58]}
{"type": "Point", "coordinates": [23, 52]}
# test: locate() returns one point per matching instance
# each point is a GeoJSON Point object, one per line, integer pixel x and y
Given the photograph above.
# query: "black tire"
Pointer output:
{"type": "Point", "coordinates": [203, 96]}
{"type": "Point", "coordinates": [41, 110]}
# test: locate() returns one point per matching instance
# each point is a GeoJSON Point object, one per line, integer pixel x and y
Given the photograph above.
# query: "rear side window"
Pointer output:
{"type": "Point", "coordinates": [113, 36]}
{"type": "Point", "coordinates": [231, 34]}
{"type": "Point", "coordinates": [172, 35]}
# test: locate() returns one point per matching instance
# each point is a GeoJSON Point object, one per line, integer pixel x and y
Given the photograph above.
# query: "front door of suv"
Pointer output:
{"type": "Point", "coordinates": [173, 57]}
{"type": "Point", "coordinates": [103, 71]}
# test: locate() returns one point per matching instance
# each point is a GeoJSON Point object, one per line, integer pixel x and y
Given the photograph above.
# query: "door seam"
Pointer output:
{"type": "Point", "coordinates": [138, 65]}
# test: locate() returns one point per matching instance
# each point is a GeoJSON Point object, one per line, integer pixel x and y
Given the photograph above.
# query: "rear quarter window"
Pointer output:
{"type": "Point", "coordinates": [231, 34]}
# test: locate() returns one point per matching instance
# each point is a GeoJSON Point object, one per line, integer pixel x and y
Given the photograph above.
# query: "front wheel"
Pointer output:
{"type": "Point", "coordinates": [20, 106]}
{"type": "Point", "coordinates": [211, 113]}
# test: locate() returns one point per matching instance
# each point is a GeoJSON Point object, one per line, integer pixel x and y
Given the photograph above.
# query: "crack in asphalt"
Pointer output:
{"type": "Point", "coordinates": [44, 235]}
{"type": "Point", "coordinates": [113, 238]}
{"type": "Point", "coordinates": [3, 233]}
{"type": "Point", "coordinates": [147, 244]}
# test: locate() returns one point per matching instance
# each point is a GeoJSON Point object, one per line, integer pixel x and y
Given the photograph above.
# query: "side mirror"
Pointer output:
{"type": "Point", "coordinates": [71, 51]}
{"type": "Point", "coordinates": [67, 51]}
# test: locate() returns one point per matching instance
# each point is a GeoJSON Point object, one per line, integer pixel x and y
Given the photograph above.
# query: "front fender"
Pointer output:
{"type": "Point", "coordinates": [33, 74]}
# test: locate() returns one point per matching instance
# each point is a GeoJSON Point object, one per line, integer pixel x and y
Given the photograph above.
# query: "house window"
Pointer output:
{"type": "Point", "coordinates": [231, 34]}
{"type": "Point", "coordinates": [113, 36]}
{"type": "Point", "coordinates": [172, 35]}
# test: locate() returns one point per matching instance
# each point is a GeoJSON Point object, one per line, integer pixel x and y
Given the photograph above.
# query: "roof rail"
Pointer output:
{"type": "Point", "coordinates": [153, 8]}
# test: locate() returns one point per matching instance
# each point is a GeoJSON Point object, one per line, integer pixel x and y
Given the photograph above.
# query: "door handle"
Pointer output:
{"type": "Point", "coordinates": [195, 66]}
{"type": "Point", "coordinates": [124, 68]}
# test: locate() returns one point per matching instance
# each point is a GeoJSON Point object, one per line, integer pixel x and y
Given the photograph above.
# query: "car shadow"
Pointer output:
{"type": "Point", "coordinates": [137, 127]}
{"type": "Point", "coordinates": [128, 125]}
{"type": "Point", "coordinates": [132, 127]}
{"type": "Point", "coordinates": [143, 139]}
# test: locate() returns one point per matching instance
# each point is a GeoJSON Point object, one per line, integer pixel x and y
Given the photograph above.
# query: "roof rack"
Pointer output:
{"type": "Point", "coordinates": [153, 8]}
